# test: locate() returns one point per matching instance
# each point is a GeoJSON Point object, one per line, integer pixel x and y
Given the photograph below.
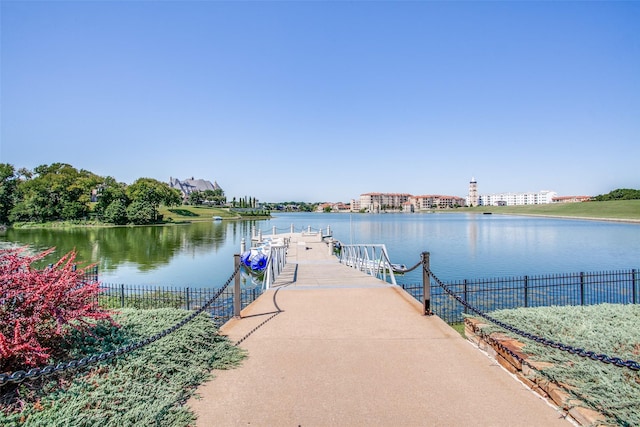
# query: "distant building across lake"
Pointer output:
{"type": "Point", "coordinates": [571, 199]}
{"type": "Point", "coordinates": [380, 202]}
{"type": "Point", "coordinates": [188, 186]}
{"type": "Point", "coordinates": [516, 199]}
{"type": "Point", "coordinates": [404, 202]}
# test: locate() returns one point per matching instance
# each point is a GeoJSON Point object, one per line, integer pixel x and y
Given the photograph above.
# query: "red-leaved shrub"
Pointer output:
{"type": "Point", "coordinates": [39, 307]}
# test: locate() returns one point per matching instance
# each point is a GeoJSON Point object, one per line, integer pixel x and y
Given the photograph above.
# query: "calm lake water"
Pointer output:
{"type": "Point", "coordinates": [461, 245]}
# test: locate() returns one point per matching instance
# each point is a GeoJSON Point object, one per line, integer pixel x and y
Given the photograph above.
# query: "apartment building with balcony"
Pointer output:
{"type": "Point", "coordinates": [403, 202]}
{"type": "Point", "coordinates": [516, 199]}
{"type": "Point", "coordinates": [377, 202]}
{"type": "Point", "coordinates": [435, 201]}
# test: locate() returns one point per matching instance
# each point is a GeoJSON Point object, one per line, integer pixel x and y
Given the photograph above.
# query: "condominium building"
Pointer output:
{"type": "Point", "coordinates": [435, 201]}
{"type": "Point", "coordinates": [514, 199]}
{"type": "Point", "coordinates": [376, 202]}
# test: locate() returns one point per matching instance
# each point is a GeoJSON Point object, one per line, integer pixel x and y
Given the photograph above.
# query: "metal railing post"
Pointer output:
{"type": "Point", "coordinates": [237, 295]}
{"type": "Point", "coordinates": [426, 284]}
{"type": "Point", "coordinates": [633, 286]}
{"type": "Point", "coordinates": [466, 295]}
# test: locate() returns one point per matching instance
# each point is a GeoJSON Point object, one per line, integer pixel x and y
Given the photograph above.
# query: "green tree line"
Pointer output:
{"type": "Point", "coordinates": [60, 192]}
{"type": "Point", "coordinates": [619, 194]}
{"type": "Point", "coordinates": [207, 197]}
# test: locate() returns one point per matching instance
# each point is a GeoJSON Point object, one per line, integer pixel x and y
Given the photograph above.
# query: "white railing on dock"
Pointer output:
{"type": "Point", "coordinates": [368, 258]}
{"type": "Point", "coordinates": [257, 234]}
{"type": "Point", "coordinates": [277, 257]}
{"type": "Point", "coordinates": [275, 263]}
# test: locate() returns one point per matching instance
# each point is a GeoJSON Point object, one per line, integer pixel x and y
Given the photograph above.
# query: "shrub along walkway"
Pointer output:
{"type": "Point", "coordinates": [346, 349]}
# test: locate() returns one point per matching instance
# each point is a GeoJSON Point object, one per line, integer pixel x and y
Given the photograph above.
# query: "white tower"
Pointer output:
{"type": "Point", "coordinates": [472, 199]}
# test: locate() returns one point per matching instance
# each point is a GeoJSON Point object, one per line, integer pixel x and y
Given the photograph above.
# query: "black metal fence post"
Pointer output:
{"type": "Point", "coordinates": [122, 295]}
{"type": "Point", "coordinates": [466, 295]}
{"type": "Point", "coordinates": [426, 285]}
{"type": "Point", "coordinates": [237, 296]}
{"type": "Point", "coordinates": [188, 298]}
{"type": "Point", "coordinates": [581, 288]}
{"type": "Point", "coordinates": [634, 291]}
{"type": "Point", "coordinates": [526, 291]}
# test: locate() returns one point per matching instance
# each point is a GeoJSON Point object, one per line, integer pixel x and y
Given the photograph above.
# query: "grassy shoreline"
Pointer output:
{"type": "Point", "coordinates": [614, 210]}
{"type": "Point", "coordinates": [170, 215]}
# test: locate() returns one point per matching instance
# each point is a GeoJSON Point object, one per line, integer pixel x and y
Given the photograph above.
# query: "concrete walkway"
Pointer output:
{"type": "Point", "coordinates": [346, 349]}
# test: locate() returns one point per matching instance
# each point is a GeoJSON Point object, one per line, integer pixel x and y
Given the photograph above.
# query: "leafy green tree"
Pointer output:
{"type": "Point", "coordinates": [619, 194]}
{"type": "Point", "coordinates": [108, 192]}
{"type": "Point", "coordinates": [8, 190]}
{"type": "Point", "coordinates": [57, 191]}
{"type": "Point", "coordinates": [116, 213]}
{"type": "Point", "coordinates": [214, 197]}
{"type": "Point", "coordinates": [148, 193]}
{"type": "Point", "coordinates": [196, 197]}
{"type": "Point", "coordinates": [142, 212]}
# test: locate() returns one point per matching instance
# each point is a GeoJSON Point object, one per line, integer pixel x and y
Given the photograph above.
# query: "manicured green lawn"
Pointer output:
{"type": "Point", "coordinates": [614, 209]}
{"type": "Point", "coordinates": [195, 213]}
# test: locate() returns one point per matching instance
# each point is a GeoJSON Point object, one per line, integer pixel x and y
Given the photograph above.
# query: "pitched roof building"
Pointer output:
{"type": "Point", "coordinates": [188, 186]}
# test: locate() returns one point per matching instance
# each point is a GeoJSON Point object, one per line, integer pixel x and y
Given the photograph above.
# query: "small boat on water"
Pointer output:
{"type": "Point", "coordinates": [217, 218]}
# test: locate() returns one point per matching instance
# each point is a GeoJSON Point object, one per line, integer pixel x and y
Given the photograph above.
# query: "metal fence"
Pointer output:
{"type": "Point", "coordinates": [146, 297]}
{"type": "Point", "coordinates": [90, 274]}
{"type": "Point", "coordinates": [616, 287]}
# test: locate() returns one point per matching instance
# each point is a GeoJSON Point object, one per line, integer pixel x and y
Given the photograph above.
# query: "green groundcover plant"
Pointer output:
{"type": "Point", "coordinates": [146, 387]}
{"type": "Point", "coordinates": [610, 329]}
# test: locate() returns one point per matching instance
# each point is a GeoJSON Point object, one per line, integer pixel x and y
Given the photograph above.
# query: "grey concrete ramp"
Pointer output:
{"type": "Point", "coordinates": [334, 347]}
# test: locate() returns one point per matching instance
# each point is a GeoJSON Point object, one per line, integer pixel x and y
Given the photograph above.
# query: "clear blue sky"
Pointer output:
{"type": "Point", "coordinates": [323, 101]}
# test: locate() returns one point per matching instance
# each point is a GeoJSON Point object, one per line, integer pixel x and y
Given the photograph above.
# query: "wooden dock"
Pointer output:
{"type": "Point", "coordinates": [335, 347]}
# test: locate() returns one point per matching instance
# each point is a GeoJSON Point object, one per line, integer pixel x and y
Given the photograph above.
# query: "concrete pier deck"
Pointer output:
{"type": "Point", "coordinates": [344, 349]}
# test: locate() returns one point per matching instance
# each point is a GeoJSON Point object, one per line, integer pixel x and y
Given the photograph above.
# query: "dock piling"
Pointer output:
{"type": "Point", "coordinates": [237, 293]}
{"type": "Point", "coordinates": [426, 285]}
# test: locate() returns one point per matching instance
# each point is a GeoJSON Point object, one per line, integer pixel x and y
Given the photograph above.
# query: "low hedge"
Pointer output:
{"type": "Point", "coordinates": [146, 387]}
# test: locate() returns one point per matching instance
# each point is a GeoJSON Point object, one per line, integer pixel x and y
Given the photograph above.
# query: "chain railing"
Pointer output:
{"type": "Point", "coordinates": [604, 358]}
{"type": "Point", "coordinates": [33, 373]}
